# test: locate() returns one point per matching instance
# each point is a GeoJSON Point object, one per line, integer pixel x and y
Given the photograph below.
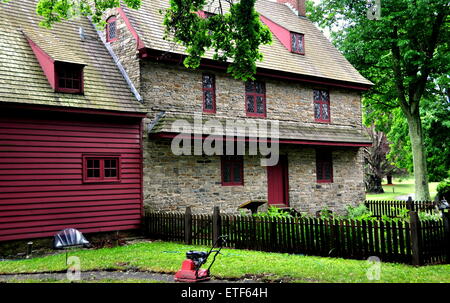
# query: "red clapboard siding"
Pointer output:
{"type": "Point", "coordinates": [41, 174]}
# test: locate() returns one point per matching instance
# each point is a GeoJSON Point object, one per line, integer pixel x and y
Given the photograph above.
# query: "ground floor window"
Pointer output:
{"type": "Point", "coordinates": [232, 170]}
{"type": "Point", "coordinates": [324, 166]}
{"type": "Point", "coordinates": [101, 168]}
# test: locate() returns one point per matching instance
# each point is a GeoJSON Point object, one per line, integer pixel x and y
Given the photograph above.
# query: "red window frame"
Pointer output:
{"type": "Point", "coordinates": [255, 94]}
{"type": "Point", "coordinates": [324, 161]}
{"type": "Point", "coordinates": [101, 178]}
{"type": "Point", "coordinates": [321, 101]}
{"type": "Point", "coordinates": [212, 90]}
{"type": "Point", "coordinates": [298, 35]}
{"type": "Point", "coordinates": [69, 73]}
{"type": "Point", "coordinates": [110, 21]}
{"type": "Point", "coordinates": [232, 162]}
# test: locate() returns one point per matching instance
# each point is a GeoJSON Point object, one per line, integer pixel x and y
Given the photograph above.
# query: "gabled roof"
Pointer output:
{"type": "Point", "coordinates": [321, 60]}
{"type": "Point", "coordinates": [22, 79]}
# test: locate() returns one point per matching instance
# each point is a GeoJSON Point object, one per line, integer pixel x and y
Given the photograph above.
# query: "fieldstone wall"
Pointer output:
{"type": "Point", "coordinates": [125, 48]}
{"type": "Point", "coordinates": [171, 183]}
{"type": "Point", "coordinates": [174, 88]}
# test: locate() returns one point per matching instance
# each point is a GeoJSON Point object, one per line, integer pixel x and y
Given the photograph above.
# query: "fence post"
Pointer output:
{"type": "Point", "coordinates": [446, 219]}
{"type": "Point", "coordinates": [410, 204]}
{"type": "Point", "coordinates": [216, 225]}
{"type": "Point", "coordinates": [188, 226]}
{"type": "Point", "coordinates": [415, 237]}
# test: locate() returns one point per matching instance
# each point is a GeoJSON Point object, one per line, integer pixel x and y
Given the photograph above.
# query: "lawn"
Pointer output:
{"type": "Point", "coordinates": [166, 257]}
{"type": "Point", "coordinates": [401, 187]}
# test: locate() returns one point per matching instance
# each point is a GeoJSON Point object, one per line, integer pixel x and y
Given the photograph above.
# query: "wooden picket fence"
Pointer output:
{"type": "Point", "coordinates": [415, 242]}
{"type": "Point", "coordinates": [391, 208]}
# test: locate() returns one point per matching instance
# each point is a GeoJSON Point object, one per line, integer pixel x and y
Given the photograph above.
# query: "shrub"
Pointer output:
{"type": "Point", "coordinates": [443, 189]}
{"type": "Point", "coordinates": [360, 212]}
{"type": "Point", "coordinates": [273, 212]}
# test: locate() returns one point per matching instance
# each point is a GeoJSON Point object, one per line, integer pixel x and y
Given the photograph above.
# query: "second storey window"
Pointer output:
{"type": "Point", "coordinates": [101, 169]}
{"type": "Point", "coordinates": [209, 93]}
{"type": "Point", "coordinates": [321, 105]}
{"type": "Point", "coordinates": [298, 43]}
{"type": "Point", "coordinates": [255, 98]}
{"type": "Point", "coordinates": [111, 30]}
{"type": "Point", "coordinates": [232, 170]}
{"type": "Point", "coordinates": [69, 78]}
{"type": "Point", "coordinates": [324, 166]}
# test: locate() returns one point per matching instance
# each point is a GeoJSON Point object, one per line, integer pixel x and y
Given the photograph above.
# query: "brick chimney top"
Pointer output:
{"type": "Point", "coordinates": [297, 6]}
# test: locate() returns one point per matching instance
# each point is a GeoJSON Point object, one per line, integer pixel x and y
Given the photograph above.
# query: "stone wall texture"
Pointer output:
{"type": "Point", "coordinates": [171, 183]}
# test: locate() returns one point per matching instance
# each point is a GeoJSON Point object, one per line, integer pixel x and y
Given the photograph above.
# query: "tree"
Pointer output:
{"type": "Point", "coordinates": [436, 128]}
{"type": "Point", "coordinates": [235, 35]}
{"type": "Point", "coordinates": [377, 164]}
{"type": "Point", "coordinates": [403, 53]}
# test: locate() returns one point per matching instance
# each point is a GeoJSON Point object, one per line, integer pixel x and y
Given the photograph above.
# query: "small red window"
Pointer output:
{"type": "Point", "coordinates": [232, 170]}
{"type": "Point", "coordinates": [69, 77]}
{"type": "Point", "coordinates": [324, 166]}
{"type": "Point", "coordinates": [111, 29]}
{"type": "Point", "coordinates": [322, 105]}
{"type": "Point", "coordinates": [209, 93]}
{"type": "Point", "coordinates": [255, 98]}
{"type": "Point", "coordinates": [101, 169]}
{"type": "Point", "coordinates": [298, 43]}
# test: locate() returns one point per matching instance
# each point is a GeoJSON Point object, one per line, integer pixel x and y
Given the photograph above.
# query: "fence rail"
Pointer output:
{"type": "Point", "coordinates": [392, 208]}
{"type": "Point", "coordinates": [413, 243]}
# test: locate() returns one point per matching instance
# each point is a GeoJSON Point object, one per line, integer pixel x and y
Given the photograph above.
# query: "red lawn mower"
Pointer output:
{"type": "Point", "coordinates": [190, 269]}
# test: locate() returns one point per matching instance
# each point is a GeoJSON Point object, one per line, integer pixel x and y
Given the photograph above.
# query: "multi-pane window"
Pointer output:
{"type": "Point", "coordinates": [324, 166]}
{"type": "Point", "coordinates": [209, 93]}
{"type": "Point", "coordinates": [298, 43]}
{"type": "Point", "coordinates": [69, 78]}
{"type": "Point", "coordinates": [232, 170]}
{"type": "Point", "coordinates": [322, 105]}
{"type": "Point", "coordinates": [111, 30]}
{"type": "Point", "coordinates": [101, 169]}
{"type": "Point", "coordinates": [255, 98]}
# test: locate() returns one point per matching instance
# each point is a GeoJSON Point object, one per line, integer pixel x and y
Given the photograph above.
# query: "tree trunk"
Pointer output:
{"type": "Point", "coordinates": [389, 179]}
{"type": "Point", "coordinates": [373, 184]}
{"type": "Point", "coordinates": [419, 157]}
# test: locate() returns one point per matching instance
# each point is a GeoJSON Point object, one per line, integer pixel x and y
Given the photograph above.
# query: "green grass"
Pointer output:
{"type": "Point", "coordinates": [401, 187]}
{"type": "Point", "coordinates": [167, 257]}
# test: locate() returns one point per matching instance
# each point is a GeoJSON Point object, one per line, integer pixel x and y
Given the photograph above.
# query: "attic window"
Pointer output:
{"type": "Point", "coordinates": [69, 78]}
{"type": "Point", "coordinates": [298, 43]}
{"type": "Point", "coordinates": [111, 30]}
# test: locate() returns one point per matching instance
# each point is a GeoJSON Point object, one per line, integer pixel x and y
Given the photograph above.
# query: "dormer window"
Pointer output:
{"type": "Point", "coordinates": [298, 43]}
{"type": "Point", "coordinates": [69, 78]}
{"type": "Point", "coordinates": [111, 30]}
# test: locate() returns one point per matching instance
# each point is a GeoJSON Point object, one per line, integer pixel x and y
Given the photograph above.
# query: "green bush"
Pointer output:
{"type": "Point", "coordinates": [360, 212]}
{"type": "Point", "coordinates": [273, 212]}
{"type": "Point", "coordinates": [443, 189]}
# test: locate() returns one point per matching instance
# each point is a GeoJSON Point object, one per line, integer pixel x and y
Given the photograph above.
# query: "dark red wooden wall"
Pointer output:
{"type": "Point", "coordinates": [41, 186]}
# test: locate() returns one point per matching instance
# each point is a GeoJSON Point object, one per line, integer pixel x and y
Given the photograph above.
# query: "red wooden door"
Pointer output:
{"type": "Point", "coordinates": [278, 182]}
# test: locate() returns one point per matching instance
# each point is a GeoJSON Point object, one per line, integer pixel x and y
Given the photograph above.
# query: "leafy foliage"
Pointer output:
{"type": "Point", "coordinates": [273, 212]}
{"type": "Point", "coordinates": [234, 35]}
{"type": "Point", "coordinates": [443, 189]}
{"type": "Point", "coordinates": [436, 127]}
{"type": "Point", "coordinates": [405, 54]}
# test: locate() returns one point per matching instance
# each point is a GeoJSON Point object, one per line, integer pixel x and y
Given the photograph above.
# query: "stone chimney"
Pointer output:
{"type": "Point", "coordinates": [297, 6]}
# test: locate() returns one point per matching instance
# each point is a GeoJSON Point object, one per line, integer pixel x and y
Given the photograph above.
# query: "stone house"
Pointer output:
{"type": "Point", "coordinates": [95, 125]}
{"type": "Point", "coordinates": [304, 84]}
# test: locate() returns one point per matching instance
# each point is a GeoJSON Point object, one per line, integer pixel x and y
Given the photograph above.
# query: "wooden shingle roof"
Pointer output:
{"type": "Point", "coordinates": [287, 130]}
{"type": "Point", "coordinates": [22, 79]}
{"type": "Point", "coordinates": [321, 59]}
